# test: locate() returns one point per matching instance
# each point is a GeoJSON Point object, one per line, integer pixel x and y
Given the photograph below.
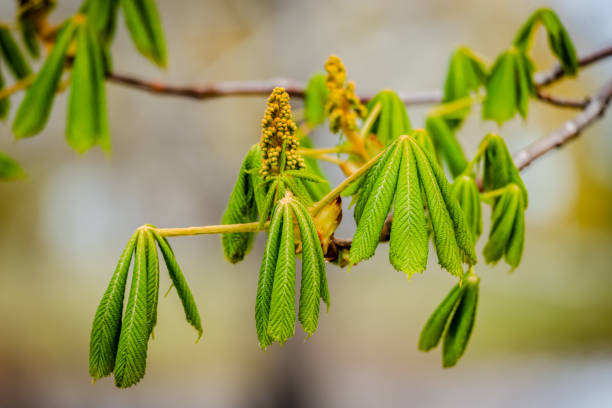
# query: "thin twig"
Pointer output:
{"type": "Point", "coordinates": [561, 102]}
{"type": "Point", "coordinates": [555, 73]}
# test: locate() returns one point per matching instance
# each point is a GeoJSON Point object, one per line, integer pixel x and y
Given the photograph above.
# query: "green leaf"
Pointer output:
{"type": "Point", "coordinates": [241, 208]}
{"type": "Point", "coordinates": [131, 360]}
{"type": "Point", "coordinates": [559, 40]}
{"type": "Point", "coordinates": [409, 242]}
{"type": "Point", "coordinates": [266, 278]}
{"type": "Point", "coordinates": [434, 328]}
{"type": "Point", "coordinates": [29, 37]}
{"type": "Point", "coordinates": [468, 196]}
{"type": "Point", "coordinates": [281, 325]}
{"type": "Point", "coordinates": [502, 224]}
{"type": "Point", "coordinates": [10, 168]}
{"type": "Point", "coordinates": [393, 121]}
{"type": "Point", "coordinates": [443, 225]}
{"type": "Point", "coordinates": [5, 103]}
{"type": "Point", "coordinates": [514, 250]}
{"type": "Point", "coordinates": [102, 15]}
{"type": "Point", "coordinates": [269, 201]}
{"type": "Point", "coordinates": [376, 208]}
{"type": "Point", "coordinates": [12, 55]}
{"type": "Point", "coordinates": [460, 328]}
{"type": "Point", "coordinates": [87, 121]}
{"type": "Point", "coordinates": [315, 99]}
{"type": "Point", "coordinates": [189, 306]}
{"type": "Point", "coordinates": [499, 169]}
{"type": "Point", "coordinates": [152, 281]}
{"type": "Point", "coordinates": [316, 190]}
{"type": "Point", "coordinates": [446, 144]}
{"type": "Point", "coordinates": [424, 140]}
{"type": "Point", "coordinates": [106, 326]}
{"type": "Point", "coordinates": [144, 25]}
{"type": "Point", "coordinates": [501, 100]}
{"type": "Point", "coordinates": [34, 110]}
{"type": "Point", "coordinates": [312, 259]}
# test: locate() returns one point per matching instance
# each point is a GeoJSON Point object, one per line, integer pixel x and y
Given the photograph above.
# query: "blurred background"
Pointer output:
{"type": "Point", "coordinates": [543, 335]}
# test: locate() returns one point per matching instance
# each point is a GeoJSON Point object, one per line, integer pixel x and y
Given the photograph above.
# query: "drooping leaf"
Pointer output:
{"type": "Point", "coordinates": [424, 140]}
{"type": "Point", "coordinates": [446, 144]}
{"type": "Point", "coordinates": [34, 110]}
{"type": "Point", "coordinates": [131, 360]}
{"type": "Point", "coordinates": [502, 223]}
{"type": "Point", "coordinates": [376, 208]}
{"type": "Point", "coordinates": [182, 288]}
{"type": "Point", "coordinates": [559, 40]}
{"type": "Point", "coordinates": [437, 322]}
{"type": "Point", "coordinates": [241, 208]}
{"type": "Point", "coordinates": [28, 35]}
{"type": "Point", "coordinates": [498, 166]}
{"type": "Point", "coordinates": [315, 99]}
{"type": "Point", "coordinates": [281, 325]}
{"type": "Point", "coordinates": [266, 278]}
{"type": "Point", "coordinates": [106, 326]}
{"type": "Point", "coordinates": [5, 103]}
{"type": "Point", "coordinates": [152, 281]}
{"type": "Point", "coordinates": [12, 55]}
{"type": "Point", "coordinates": [461, 325]}
{"type": "Point", "coordinates": [467, 194]}
{"type": "Point", "coordinates": [144, 25]}
{"type": "Point", "coordinates": [312, 259]}
{"type": "Point", "coordinates": [393, 121]}
{"type": "Point", "coordinates": [409, 242]}
{"type": "Point", "coordinates": [87, 122]}
{"type": "Point", "coordinates": [102, 15]}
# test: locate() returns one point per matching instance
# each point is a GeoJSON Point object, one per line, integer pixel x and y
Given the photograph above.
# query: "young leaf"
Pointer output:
{"type": "Point", "coordinates": [131, 360]}
{"type": "Point", "coordinates": [312, 255]}
{"type": "Point", "coordinates": [189, 306]}
{"type": "Point", "coordinates": [266, 278]}
{"type": "Point", "coordinates": [502, 220]}
{"type": "Point", "coordinates": [34, 110]}
{"type": "Point", "coordinates": [514, 250]}
{"type": "Point", "coordinates": [144, 25]}
{"type": "Point", "coordinates": [376, 208]}
{"type": "Point", "coordinates": [498, 166]}
{"type": "Point", "coordinates": [29, 37]}
{"type": "Point", "coordinates": [409, 242]}
{"type": "Point", "coordinates": [87, 123]}
{"type": "Point", "coordinates": [446, 144]}
{"type": "Point", "coordinates": [5, 103]}
{"type": "Point", "coordinates": [315, 189]}
{"type": "Point", "coordinates": [393, 121]}
{"type": "Point", "coordinates": [559, 40]}
{"type": "Point", "coordinates": [152, 281]}
{"type": "Point", "coordinates": [501, 101]}
{"type": "Point", "coordinates": [102, 15]}
{"type": "Point", "coordinates": [437, 322]}
{"type": "Point", "coordinates": [10, 168]}
{"type": "Point", "coordinates": [467, 194]}
{"type": "Point", "coordinates": [424, 140]}
{"type": "Point", "coordinates": [460, 328]}
{"type": "Point", "coordinates": [12, 55]}
{"type": "Point", "coordinates": [240, 209]}
{"type": "Point", "coordinates": [281, 325]}
{"type": "Point", "coordinates": [106, 326]}
{"type": "Point", "coordinates": [315, 99]}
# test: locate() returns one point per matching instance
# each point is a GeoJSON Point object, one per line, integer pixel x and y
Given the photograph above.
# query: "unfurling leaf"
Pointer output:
{"type": "Point", "coordinates": [12, 55]}
{"type": "Point", "coordinates": [182, 288]}
{"type": "Point", "coordinates": [468, 196]}
{"type": "Point", "coordinates": [34, 110]}
{"type": "Point", "coordinates": [102, 15]}
{"type": "Point", "coordinates": [131, 360]}
{"type": "Point", "coordinates": [5, 102]}
{"type": "Point", "coordinates": [87, 121]}
{"type": "Point", "coordinates": [393, 121]}
{"type": "Point", "coordinates": [315, 99]}
{"type": "Point", "coordinates": [152, 281]}
{"type": "Point", "coordinates": [106, 327]}
{"type": "Point", "coordinates": [446, 144]}
{"type": "Point", "coordinates": [144, 25]}
{"type": "Point", "coordinates": [509, 86]}
{"type": "Point", "coordinates": [437, 322]}
{"type": "Point", "coordinates": [241, 208]}
{"type": "Point", "coordinates": [461, 324]}
{"type": "Point", "coordinates": [559, 40]}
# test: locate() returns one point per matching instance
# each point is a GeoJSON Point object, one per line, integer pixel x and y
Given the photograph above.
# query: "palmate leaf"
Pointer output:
{"type": "Point", "coordinates": [131, 360]}
{"type": "Point", "coordinates": [107, 321]}
{"type": "Point", "coordinates": [462, 324]}
{"type": "Point", "coordinates": [34, 110]}
{"type": "Point", "coordinates": [266, 278]}
{"type": "Point", "coordinates": [315, 99]}
{"type": "Point", "coordinates": [281, 325]}
{"type": "Point", "coordinates": [312, 260]}
{"type": "Point", "coordinates": [437, 322]}
{"type": "Point", "coordinates": [152, 281]}
{"type": "Point", "coordinates": [498, 166]}
{"type": "Point", "coordinates": [182, 288]}
{"type": "Point", "coordinates": [446, 144]}
{"type": "Point", "coordinates": [12, 55]}
{"type": "Point", "coordinates": [409, 242]}
{"type": "Point", "coordinates": [559, 40]}
{"type": "Point", "coordinates": [241, 208]}
{"type": "Point", "coordinates": [87, 122]}
{"type": "Point", "coordinates": [393, 121]}
{"type": "Point", "coordinates": [144, 25]}
{"type": "Point", "coordinates": [467, 194]}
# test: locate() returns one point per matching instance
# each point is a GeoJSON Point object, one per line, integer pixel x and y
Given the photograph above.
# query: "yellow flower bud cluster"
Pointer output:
{"type": "Point", "coordinates": [343, 106]}
{"type": "Point", "coordinates": [278, 130]}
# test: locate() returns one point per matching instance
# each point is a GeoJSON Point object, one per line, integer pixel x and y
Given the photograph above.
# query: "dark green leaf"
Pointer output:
{"type": "Point", "coordinates": [28, 35]}
{"type": "Point", "coordinates": [102, 15]}
{"type": "Point", "coordinates": [468, 196]}
{"type": "Point", "coordinates": [502, 220]}
{"type": "Point", "coordinates": [460, 328]}
{"type": "Point", "coordinates": [144, 25]}
{"type": "Point", "coordinates": [12, 55]}
{"type": "Point", "coordinates": [434, 328]}
{"type": "Point", "coordinates": [5, 103]}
